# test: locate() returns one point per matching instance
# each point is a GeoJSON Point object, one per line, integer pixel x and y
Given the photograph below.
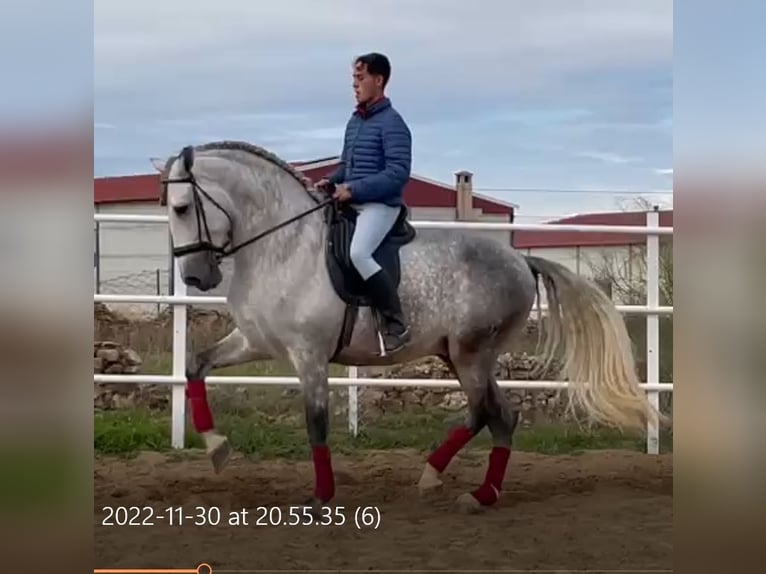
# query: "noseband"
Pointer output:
{"type": "Point", "coordinates": [205, 243]}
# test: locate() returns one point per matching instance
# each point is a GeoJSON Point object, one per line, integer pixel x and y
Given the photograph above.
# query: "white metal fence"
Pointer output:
{"type": "Point", "coordinates": [179, 300]}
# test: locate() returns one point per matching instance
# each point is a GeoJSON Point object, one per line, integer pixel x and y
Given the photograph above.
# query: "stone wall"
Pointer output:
{"type": "Point", "coordinates": [154, 335]}
{"type": "Point", "coordinates": [112, 358]}
{"type": "Point", "coordinates": [532, 404]}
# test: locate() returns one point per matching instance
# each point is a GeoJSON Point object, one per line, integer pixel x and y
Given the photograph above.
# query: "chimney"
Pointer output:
{"type": "Point", "coordinates": [464, 189]}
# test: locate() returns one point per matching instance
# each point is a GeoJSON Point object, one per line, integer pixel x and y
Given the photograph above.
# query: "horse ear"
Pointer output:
{"type": "Point", "coordinates": [158, 163]}
{"type": "Point", "coordinates": [187, 154]}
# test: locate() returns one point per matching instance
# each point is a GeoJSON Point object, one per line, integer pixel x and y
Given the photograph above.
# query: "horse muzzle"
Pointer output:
{"type": "Point", "coordinates": [202, 270]}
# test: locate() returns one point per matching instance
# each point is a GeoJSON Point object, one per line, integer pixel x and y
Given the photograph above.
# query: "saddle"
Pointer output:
{"type": "Point", "coordinates": [348, 284]}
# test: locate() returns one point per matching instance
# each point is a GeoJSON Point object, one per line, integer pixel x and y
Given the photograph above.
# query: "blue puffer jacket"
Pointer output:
{"type": "Point", "coordinates": [377, 155]}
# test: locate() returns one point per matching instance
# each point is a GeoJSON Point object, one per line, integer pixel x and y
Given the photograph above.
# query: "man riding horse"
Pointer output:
{"type": "Point", "coordinates": [374, 168]}
{"type": "Point", "coordinates": [467, 298]}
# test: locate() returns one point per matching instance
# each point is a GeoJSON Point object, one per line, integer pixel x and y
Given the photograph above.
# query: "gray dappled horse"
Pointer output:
{"type": "Point", "coordinates": [295, 296]}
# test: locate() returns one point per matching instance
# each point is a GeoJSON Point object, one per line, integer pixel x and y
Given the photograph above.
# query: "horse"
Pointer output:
{"type": "Point", "coordinates": [295, 296]}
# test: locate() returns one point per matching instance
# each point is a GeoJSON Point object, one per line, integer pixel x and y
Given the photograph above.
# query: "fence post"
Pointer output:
{"type": "Point", "coordinates": [353, 403]}
{"type": "Point", "coordinates": [653, 324]}
{"type": "Point", "coordinates": [179, 362]}
{"type": "Point", "coordinates": [97, 257]}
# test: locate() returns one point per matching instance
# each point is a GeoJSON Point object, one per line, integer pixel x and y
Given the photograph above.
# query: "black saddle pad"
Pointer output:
{"type": "Point", "coordinates": [341, 222]}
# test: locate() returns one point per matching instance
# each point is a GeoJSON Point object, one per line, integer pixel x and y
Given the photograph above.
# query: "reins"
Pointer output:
{"type": "Point", "coordinates": [278, 226]}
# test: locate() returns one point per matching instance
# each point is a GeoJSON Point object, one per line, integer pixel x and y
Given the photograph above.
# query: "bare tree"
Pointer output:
{"type": "Point", "coordinates": [623, 273]}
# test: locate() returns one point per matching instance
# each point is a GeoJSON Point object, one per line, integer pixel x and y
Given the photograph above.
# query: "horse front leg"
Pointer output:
{"type": "Point", "coordinates": [313, 374]}
{"type": "Point", "coordinates": [233, 349]}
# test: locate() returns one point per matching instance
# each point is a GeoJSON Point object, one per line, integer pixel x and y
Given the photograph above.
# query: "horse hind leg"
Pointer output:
{"type": "Point", "coordinates": [502, 421]}
{"type": "Point", "coordinates": [487, 406]}
{"type": "Point", "coordinates": [471, 370]}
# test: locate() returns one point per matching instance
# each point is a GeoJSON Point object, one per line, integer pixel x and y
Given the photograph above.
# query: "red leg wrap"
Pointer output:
{"type": "Point", "coordinates": [489, 491]}
{"type": "Point", "coordinates": [200, 410]}
{"type": "Point", "coordinates": [456, 440]}
{"type": "Point", "coordinates": [325, 481]}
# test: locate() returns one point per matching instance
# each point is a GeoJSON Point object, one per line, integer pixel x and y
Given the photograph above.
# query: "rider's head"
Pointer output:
{"type": "Point", "coordinates": [371, 73]}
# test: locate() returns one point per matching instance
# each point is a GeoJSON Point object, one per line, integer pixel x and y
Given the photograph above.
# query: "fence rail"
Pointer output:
{"type": "Point", "coordinates": [180, 300]}
{"type": "Point", "coordinates": [217, 300]}
{"type": "Point", "coordinates": [356, 381]}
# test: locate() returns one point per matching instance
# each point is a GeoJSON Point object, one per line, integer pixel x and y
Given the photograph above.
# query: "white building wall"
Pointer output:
{"type": "Point", "coordinates": [624, 261]}
{"type": "Point", "coordinates": [450, 214]}
{"type": "Point", "coordinates": [134, 258]}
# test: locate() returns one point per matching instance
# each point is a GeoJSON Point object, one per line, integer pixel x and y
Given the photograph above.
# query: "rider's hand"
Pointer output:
{"type": "Point", "coordinates": [322, 184]}
{"type": "Point", "coordinates": [342, 192]}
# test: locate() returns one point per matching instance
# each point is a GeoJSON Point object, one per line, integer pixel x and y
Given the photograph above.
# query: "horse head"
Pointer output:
{"type": "Point", "coordinates": [201, 217]}
{"type": "Point", "coordinates": [223, 196]}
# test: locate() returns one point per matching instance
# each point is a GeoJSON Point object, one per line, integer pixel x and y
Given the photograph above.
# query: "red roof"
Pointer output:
{"type": "Point", "coordinates": [419, 192]}
{"type": "Point", "coordinates": [126, 188]}
{"type": "Point", "coordinates": [536, 239]}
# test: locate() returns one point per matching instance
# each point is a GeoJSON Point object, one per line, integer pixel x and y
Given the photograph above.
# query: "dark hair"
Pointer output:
{"type": "Point", "coordinates": [376, 64]}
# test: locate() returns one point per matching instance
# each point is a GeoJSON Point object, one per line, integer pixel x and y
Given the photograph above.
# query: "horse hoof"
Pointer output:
{"type": "Point", "coordinates": [219, 452]}
{"type": "Point", "coordinates": [468, 504]}
{"type": "Point", "coordinates": [429, 480]}
{"type": "Point", "coordinates": [315, 507]}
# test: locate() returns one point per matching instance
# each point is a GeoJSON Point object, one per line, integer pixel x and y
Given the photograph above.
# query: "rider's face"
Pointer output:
{"type": "Point", "coordinates": [366, 86]}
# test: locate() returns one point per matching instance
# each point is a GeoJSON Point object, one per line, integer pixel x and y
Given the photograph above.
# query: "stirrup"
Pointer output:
{"type": "Point", "coordinates": [400, 342]}
{"type": "Point", "coordinates": [381, 344]}
{"type": "Point", "coordinates": [381, 330]}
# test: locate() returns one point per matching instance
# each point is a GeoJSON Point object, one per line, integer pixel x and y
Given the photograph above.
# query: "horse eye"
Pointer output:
{"type": "Point", "coordinates": [181, 209]}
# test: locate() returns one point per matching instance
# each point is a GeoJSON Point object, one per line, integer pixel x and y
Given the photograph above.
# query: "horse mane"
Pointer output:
{"type": "Point", "coordinates": [258, 152]}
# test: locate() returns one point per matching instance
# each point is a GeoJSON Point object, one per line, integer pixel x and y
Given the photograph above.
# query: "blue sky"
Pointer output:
{"type": "Point", "coordinates": [550, 94]}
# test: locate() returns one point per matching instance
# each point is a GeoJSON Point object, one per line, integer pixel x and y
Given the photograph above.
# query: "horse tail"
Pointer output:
{"type": "Point", "coordinates": [597, 359]}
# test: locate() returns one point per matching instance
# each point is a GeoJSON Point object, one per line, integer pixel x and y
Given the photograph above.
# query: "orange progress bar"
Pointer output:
{"type": "Point", "coordinates": [201, 569]}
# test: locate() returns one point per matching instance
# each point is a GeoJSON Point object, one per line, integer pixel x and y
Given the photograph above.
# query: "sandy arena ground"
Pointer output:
{"type": "Point", "coordinates": [597, 511]}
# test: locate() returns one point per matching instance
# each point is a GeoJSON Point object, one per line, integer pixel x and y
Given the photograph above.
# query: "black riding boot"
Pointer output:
{"type": "Point", "coordinates": [386, 299]}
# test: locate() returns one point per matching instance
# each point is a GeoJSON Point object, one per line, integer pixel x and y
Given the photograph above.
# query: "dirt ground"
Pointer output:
{"type": "Point", "coordinates": [602, 510]}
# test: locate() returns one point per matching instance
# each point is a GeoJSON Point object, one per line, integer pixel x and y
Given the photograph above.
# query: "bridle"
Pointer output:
{"type": "Point", "coordinates": [206, 243]}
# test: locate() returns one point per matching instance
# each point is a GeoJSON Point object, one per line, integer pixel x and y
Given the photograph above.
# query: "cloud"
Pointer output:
{"type": "Point", "coordinates": [664, 171]}
{"type": "Point", "coordinates": [269, 44]}
{"type": "Point", "coordinates": [333, 134]}
{"type": "Point", "coordinates": [608, 157]}
{"type": "Point", "coordinates": [513, 92]}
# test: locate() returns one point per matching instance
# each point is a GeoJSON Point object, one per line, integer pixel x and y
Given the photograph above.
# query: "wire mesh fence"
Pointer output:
{"type": "Point", "coordinates": [145, 282]}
